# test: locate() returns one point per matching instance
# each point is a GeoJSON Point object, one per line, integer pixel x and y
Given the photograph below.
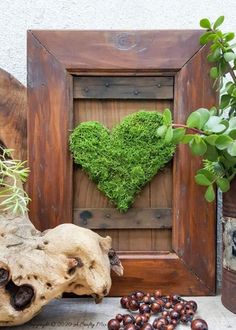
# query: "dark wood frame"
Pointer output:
{"type": "Point", "coordinates": [53, 58]}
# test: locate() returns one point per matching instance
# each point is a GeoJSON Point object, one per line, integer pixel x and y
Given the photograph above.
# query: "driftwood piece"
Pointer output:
{"type": "Point", "coordinates": [35, 266]}
{"type": "Point", "coordinates": [13, 109]}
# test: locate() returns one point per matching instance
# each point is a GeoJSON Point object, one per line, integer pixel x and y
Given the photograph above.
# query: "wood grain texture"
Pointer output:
{"type": "Point", "coordinates": [194, 220]}
{"type": "Point", "coordinates": [139, 218]}
{"type": "Point", "coordinates": [140, 241]}
{"type": "Point", "coordinates": [123, 88]}
{"type": "Point", "coordinates": [155, 50]}
{"type": "Point", "coordinates": [53, 57]}
{"type": "Point", "coordinates": [165, 271]}
{"type": "Point", "coordinates": [49, 120]}
{"type": "Point", "coordinates": [13, 112]}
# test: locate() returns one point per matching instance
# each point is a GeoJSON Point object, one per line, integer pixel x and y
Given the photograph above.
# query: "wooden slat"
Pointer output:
{"type": "Point", "coordinates": [164, 271]}
{"type": "Point", "coordinates": [102, 51]}
{"type": "Point", "coordinates": [49, 122]}
{"type": "Point", "coordinates": [194, 219]}
{"type": "Point", "coordinates": [99, 218]}
{"type": "Point", "coordinates": [123, 87]}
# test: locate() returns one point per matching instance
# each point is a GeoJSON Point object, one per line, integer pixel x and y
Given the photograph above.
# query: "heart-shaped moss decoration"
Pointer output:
{"type": "Point", "coordinates": [123, 161]}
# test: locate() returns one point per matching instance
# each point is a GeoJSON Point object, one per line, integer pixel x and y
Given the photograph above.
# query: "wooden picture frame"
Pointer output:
{"type": "Point", "coordinates": [54, 57]}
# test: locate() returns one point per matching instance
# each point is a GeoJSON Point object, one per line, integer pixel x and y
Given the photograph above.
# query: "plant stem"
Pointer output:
{"type": "Point", "coordinates": [195, 130]}
{"type": "Point", "coordinates": [231, 71]}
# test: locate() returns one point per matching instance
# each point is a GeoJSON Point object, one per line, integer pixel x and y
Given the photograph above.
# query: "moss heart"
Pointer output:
{"type": "Point", "coordinates": [123, 161]}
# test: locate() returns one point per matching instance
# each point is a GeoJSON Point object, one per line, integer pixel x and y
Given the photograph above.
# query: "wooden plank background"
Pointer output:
{"type": "Point", "coordinates": [156, 194]}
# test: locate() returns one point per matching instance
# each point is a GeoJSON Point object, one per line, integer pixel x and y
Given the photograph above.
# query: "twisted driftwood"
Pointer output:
{"type": "Point", "coordinates": [35, 266]}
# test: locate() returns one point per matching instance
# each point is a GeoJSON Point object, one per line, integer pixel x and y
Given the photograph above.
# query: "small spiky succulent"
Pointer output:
{"type": "Point", "coordinates": [13, 198]}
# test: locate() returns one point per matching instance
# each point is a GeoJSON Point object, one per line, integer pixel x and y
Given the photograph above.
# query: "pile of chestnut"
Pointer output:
{"type": "Point", "coordinates": [169, 311]}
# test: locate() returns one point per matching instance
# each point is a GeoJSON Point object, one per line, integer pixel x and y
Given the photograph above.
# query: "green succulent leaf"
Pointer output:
{"type": "Point", "coordinates": [202, 180]}
{"type": "Point", "coordinates": [205, 38]}
{"type": "Point", "coordinates": [161, 130]}
{"type": "Point", "coordinates": [225, 100]}
{"type": "Point", "coordinates": [232, 134]}
{"type": "Point", "coordinates": [229, 56]}
{"type": "Point", "coordinates": [229, 36]}
{"type": "Point", "coordinates": [234, 92]}
{"type": "Point", "coordinates": [232, 122]}
{"type": "Point", "coordinates": [178, 134]}
{"type": "Point", "coordinates": [204, 116]}
{"type": "Point", "coordinates": [210, 194]}
{"type": "Point", "coordinates": [223, 141]}
{"type": "Point", "coordinates": [167, 116]}
{"type": "Point", "coordinates": [230, 87]}
{"type": "Point", "coordinates": [169, 135]}
{"type": "Point", "coordinates": [198, 146]}
{"type": "Point", "coordinates": [214, 73]}
{"type": "Point", "coordinates": [218, 22]}
{"type": "Point", "coordinates": [213, 111]}
{"type": "Point", "coordinates": [211, 139]}
{"type": "Point", "coordinates": [211, 153]}
{"type": "Point", "coordinates": [232, 149]}
{"type": "Point", "coordinates": [194, 120]}
{"type": "Point", "coordinates": [187, 138]}
{"type": "Point", "coordinates": [223, 184]}
{"type": "Point", "coordinates": [205, 23]}
{"type": "Point", "coordinates": [208, 174]}
{"type": "Point", "coordinates": [214, 125]}
{"type": "Point", "coordinates": [216, 55]}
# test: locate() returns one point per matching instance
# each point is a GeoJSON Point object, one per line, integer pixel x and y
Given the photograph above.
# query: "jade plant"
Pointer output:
{"type": "Point", "coordinates": [122, 161]}
{"type": "Point", "coordinates": [13, 198]}
{"type": "Point", "coordinates": [211, 133]}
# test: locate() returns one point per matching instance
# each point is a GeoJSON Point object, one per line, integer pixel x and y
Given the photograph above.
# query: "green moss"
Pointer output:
{"type": "Point", "coordinates": [123, 161]}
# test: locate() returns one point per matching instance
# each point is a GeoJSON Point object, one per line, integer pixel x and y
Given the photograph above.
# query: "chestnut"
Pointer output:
{"type": "Point", "coordinates": [144, 309]}
{"type": "Point", "coordinates": [178, 307]}
{"type": "Point", "coordinates": [133, 305]}
{"type": "Point", "coordinates": [128, 319]}
{"type": "Point", "coordinates": [124, 301]}
{"type": "Point", "coordinates": [156, 308]}
{"type": "Point", "coordinates": [174, 315]}
{"type": "Point", "coordinates": [139, 295]}
{"type": "Point", "coordinates": [113, 324]}
{"type": "Point", "coordinates": [157, 294]}
{"type": "Point", "coordinates": [119, 317]}
{"type": "Point", "coordinates": [193, 304]}
{"type": "Point", "coordinates": [199, 324]}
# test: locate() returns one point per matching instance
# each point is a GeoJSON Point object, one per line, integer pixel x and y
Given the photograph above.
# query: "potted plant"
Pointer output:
{"type": "Point", "coordinates": [211, 134]}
